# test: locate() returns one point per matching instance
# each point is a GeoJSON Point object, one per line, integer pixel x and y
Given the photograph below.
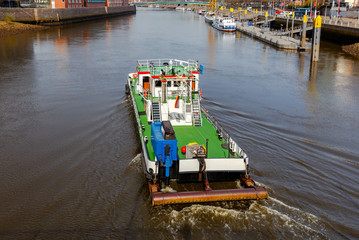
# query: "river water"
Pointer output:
{"type": "Point", "coordinates": [70, 160]}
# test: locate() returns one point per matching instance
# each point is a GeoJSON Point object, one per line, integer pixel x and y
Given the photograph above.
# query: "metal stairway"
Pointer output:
{"type": "Point", "coordinates": [196, 113]}
{"type": "Point", "coordinates": [156, 112]}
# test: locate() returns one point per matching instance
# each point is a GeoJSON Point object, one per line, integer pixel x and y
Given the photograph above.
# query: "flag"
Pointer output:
{"type": "Point", "coordinates": [315, 3]}
{"type": "Point", "coordinates": [338, 3]}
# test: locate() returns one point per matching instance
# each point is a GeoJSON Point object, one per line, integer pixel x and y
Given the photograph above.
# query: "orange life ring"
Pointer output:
{"type": "Point", "coordinates": [200, 93]}
{"type": "Point", "coordinates": [135, 75]}
{"type": "Point", "coordinates": [145, 94]}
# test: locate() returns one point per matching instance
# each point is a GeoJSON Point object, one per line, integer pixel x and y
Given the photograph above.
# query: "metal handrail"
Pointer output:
{"type": "Point", "coordinates": [161, 62]}
{"type": "Point", "coordinates": [233, 146]}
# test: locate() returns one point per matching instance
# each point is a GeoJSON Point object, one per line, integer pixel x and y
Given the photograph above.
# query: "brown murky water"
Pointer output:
{"type": "Point", "coordinates": [69, 162]}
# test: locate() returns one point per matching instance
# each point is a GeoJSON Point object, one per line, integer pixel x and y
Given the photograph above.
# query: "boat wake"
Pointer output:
{"type": "Point", "coordinates": [135, 164]}
{"type": "Point", "coordinates": [124, 101]}
{"type": "Point", "coordinates": [251, 219]}
{"type": "Point", "coordinates": [167, 190]}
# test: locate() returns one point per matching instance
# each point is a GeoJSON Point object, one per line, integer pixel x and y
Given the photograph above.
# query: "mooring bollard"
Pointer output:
{"type": "Point", "coordinates": [286, 26]}
{"type": "Point", "coordinates": [291, 34]}
{"type": "Point", "coordinates": [316, 39]}
{"type": "Point", "coordinates": [266, 18]}
{"type": "Point", "coordinates": [304, 31]}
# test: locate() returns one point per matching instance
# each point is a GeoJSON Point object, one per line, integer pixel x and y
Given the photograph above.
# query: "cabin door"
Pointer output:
{"type": "Point", "coordinates": [146, 83]}
{"type": "Point", "coordinates": [193, 85]}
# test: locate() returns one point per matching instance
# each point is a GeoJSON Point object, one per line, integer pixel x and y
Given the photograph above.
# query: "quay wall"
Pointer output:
{"type": "Point", "coordinates": [57, 16]}
{"type": "Point", "coordinates": [339, 33]}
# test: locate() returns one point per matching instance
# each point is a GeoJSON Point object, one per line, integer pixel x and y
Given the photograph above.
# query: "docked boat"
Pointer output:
{"type": "Point", "coordinates": [181, 8]}
{"type": "Point", "coordinates": [201, 12]}
{"type": "Point", "coordinates": [209, 17]}
{"type": "Point", "coordinates": [226, 24]}
{"type": "Point", "coordinates": [181, 142]}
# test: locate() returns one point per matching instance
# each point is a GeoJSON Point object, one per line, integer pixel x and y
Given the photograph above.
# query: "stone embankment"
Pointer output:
{"type": "Point", "coordinates": [352, 49]}
{"type": "Point", "coordinates": [57, 16]}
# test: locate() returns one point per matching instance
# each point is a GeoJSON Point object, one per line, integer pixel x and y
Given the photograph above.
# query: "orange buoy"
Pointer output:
{"type": "Point", "coordinates": [135, 75]}
{"type": "Point", "coordinates": [145, 94]}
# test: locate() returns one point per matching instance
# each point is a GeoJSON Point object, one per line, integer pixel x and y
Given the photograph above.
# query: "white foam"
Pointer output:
{"type": "Point", "coordinates": [135, 164]}
{"type": "Point", "coordinates": [168, 189]}
{"type": "Point", "coordinates": [309, 215]}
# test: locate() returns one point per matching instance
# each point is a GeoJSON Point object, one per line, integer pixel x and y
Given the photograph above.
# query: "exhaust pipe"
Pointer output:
{"type": "Point", "coordinates": [255, 193]}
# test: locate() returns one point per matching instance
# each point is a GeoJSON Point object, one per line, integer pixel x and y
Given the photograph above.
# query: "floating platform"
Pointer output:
{"type": "Point", "coordinates": [281, 42]}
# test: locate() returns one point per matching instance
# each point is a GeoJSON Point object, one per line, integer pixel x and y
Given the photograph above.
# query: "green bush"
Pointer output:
{"type": "Point", "coordinates": [9, 18]}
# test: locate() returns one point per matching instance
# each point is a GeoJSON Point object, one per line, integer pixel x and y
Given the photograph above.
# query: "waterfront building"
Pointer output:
{"type": "Point", "coordinates": [9, 3]}
{"type": "Point", "coordinates": [88, 3]}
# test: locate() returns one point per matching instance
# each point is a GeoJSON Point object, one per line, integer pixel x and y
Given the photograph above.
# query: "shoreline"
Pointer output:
{"type": "Point", "coordinates": [353, 49]}
{"type": "Point", "coordinates": [14, 28]}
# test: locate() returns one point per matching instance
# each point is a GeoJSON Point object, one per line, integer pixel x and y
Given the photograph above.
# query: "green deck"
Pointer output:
{"type": "Point", "coordinates": [185, 134]}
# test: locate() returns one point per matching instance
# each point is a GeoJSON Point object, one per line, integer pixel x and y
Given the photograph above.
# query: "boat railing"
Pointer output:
{"type": "Point", "coordinates": [232, 145]}
{"type": "Point", "coordinates": [150, 64]}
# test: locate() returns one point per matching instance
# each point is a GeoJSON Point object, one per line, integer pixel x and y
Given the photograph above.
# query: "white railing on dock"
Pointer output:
{"type": "Point", "coordinates": [333, 21]}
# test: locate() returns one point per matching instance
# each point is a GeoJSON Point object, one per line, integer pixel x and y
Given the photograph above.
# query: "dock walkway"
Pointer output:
{"type": "Point", "coordinates": [270, 38]}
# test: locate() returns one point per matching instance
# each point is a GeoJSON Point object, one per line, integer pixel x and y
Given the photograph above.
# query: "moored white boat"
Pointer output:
{"type": "Point", "coordinates": [226, 24]}
{"type": "Point", "coordinates": [180, 8]}
{"type": "Point", "coordinates": [201, 12]}
{"type": "Point", "coordinates": [209, 17]}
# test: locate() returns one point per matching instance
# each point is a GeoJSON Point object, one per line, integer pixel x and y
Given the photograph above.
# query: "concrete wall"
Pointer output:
{"type": "Point", "coordinates": [331, 32]}
{"type": "Point", "coordinates": [48, 16]}
{"type": "Point", "coordinates": [340, 34]}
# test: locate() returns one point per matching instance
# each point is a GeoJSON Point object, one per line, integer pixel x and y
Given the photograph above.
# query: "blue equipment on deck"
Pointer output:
{"type": "Point", "coordinates": [164, 144]}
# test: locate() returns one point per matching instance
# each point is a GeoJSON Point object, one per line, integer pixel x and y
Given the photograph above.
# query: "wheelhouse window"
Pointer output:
{"type": "Point", "coordinates": [177, 83]}
{"type": "Point", "coordinates": [158, 83]}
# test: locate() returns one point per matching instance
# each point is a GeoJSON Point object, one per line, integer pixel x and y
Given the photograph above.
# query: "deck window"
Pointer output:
{"type": "Point", "coordinates": [158, 83]}
{"type": "Point", "coordinates": [169, 84]}
{"type": "Point", "coordinates": [177, 83]}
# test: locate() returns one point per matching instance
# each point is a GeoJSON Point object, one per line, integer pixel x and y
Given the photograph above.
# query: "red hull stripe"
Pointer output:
{"type": "Point", "coordinates": [144, 72]}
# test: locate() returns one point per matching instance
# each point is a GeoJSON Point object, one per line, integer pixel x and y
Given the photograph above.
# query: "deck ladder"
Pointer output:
{"type": "Point", "coordinates": [156, 112]}
{"type": "Point", "coordinates": [196, 112]}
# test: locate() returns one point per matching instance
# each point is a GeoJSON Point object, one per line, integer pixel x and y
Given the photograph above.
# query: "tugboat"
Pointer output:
{"type": "Point", "coordinates": [181, 142]}
{"type": "Point", "coordinates": [226, 24]}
